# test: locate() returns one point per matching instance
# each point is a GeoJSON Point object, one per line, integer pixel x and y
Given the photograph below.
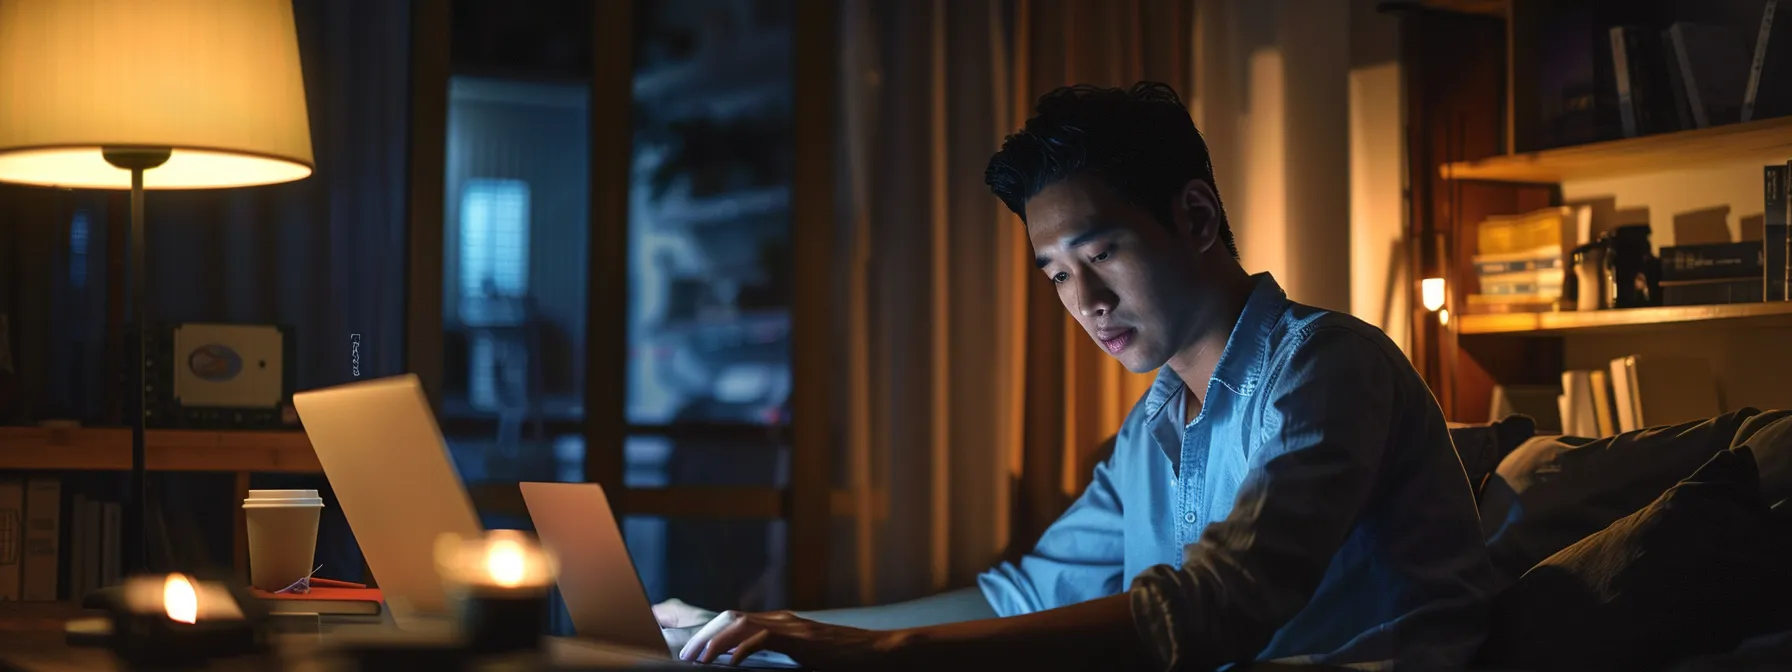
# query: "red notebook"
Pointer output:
{"type": "Point", "coordinates": [327, 596]}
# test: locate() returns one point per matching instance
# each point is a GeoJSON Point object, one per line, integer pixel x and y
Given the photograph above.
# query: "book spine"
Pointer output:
{"type": "Point", "coordinates": [1626, 91]}
{"type": "Point", "coordinates": [43, 538]}
{"type": "Point", "coordinates": [1687, 101]}
{"type": "Point", "coordinates": [1710, 292]}
{"type": "Point", "coordinates": [12, 539]}
{"type": "Point", "coordinates": [1774, 186]}
{"type": "Point", "coordinates": [1754, 70]}
{"type": "Point", "coordinates": [1727, 261]}
{"type": "Point", "coordinates": [1783, 248]}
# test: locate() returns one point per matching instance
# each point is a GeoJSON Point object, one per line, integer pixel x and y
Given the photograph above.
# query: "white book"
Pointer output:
{"type": "Point", "coordinates": [1623, 393]}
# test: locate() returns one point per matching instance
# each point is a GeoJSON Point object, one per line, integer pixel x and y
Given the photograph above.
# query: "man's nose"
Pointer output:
{"type": "Point", "coordinates": [1094, 299]}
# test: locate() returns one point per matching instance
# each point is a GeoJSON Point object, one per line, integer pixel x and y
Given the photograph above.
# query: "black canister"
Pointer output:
{"type": "Point", "coordinates": [1632, 271]}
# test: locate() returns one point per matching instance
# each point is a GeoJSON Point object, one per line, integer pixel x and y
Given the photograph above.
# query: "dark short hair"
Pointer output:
{"type": "Point", "coordinates": [1139, 141]}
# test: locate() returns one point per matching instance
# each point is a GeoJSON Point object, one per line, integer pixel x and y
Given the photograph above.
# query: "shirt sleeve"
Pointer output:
{"type": "Point", "coordinates": [1324, 430]}
{"type": "Point", "coordinates": [1079, 558]}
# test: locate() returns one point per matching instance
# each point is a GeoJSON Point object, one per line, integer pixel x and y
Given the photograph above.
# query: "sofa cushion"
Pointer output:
{"type": "Point", "coordinates": [1553, 491]}
{"type": "Point", "coordinates": [1481, 447]}
{"type": "Point", "coordinates": [1698, 571]}
{"type": "Point", "coordinates": [1769, 436]}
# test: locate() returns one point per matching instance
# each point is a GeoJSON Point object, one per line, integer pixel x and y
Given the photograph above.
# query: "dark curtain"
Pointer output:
{"type": "Point", "coordinates": [324, 255]}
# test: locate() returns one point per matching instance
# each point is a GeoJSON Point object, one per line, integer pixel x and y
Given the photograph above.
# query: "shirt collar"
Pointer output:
{"type": "Point", "coordinates": [1240, 366]}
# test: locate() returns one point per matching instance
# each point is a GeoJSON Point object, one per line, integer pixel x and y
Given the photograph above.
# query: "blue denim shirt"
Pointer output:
{"type": "Point", "coordinates": [1313, 511]}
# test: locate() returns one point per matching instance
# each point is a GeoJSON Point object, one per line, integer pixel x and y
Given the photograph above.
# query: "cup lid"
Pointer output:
{"type": "Point", "coordinates": [273, 498]}
{"type": "Point", "coordinates": [281, 494]}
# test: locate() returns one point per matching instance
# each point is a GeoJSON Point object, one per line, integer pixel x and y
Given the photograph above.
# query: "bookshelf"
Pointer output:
{"type": "Point", "coordinates": [1629, 320]}
{"type": "Point", "coordinates": [1766, 141]}
{"type": "Point", "coordinates": [109, 449]}
{"type": "Point", "coordinates": [1475, 150]}
{"type": "Point", "coordinates": [101, 449]}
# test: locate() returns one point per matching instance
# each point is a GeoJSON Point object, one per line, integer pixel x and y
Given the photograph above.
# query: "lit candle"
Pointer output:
{"type": "Point", "coordinates": [499, 583]}
{"type": "Point", "coordinates": [174, 619]}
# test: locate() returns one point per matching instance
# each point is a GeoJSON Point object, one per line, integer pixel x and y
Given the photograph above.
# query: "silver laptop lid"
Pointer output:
{"type": "Point", "coordinates": [386, 460]}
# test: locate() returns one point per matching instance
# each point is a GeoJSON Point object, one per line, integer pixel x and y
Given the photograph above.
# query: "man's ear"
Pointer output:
{"type": "Point", "coordinates": [1197, 214]}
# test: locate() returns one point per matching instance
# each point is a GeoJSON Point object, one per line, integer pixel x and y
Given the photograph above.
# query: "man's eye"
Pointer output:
{"type": "Point", "coordinates": [1060, 277]}
{"type": "Point", "coordinates": [1103, 256]}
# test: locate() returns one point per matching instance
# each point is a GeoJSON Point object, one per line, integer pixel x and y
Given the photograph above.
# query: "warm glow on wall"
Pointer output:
{"type": "Point", "coordinates": [1431, 291]}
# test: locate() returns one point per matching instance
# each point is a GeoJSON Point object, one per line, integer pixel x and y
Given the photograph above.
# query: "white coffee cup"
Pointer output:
{"type": "Point", "coordinates": [282, 536]}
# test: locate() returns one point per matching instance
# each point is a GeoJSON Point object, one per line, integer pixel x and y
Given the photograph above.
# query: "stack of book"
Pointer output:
{"type": "Point", "coordinates": [1521, 260]}
{"type": "Point", "coordinates": [1697, 275]}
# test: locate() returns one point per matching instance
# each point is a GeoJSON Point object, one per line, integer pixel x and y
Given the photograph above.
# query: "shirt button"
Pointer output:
{"type": "Point", "coordinates": [1189, 518]}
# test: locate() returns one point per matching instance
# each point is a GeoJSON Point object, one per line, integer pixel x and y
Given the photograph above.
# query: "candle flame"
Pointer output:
{"type": "Point", "coordinates": [504, 562]}
{"type": "Point", "coordinates": [180, 599]}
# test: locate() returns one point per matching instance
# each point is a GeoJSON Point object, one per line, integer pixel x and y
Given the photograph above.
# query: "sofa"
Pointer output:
{"type": "Point", "coordinates": [1662, 548]}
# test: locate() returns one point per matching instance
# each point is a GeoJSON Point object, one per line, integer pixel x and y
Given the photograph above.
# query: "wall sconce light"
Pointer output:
{"type": "Point", "coordinates": [1431, 292]}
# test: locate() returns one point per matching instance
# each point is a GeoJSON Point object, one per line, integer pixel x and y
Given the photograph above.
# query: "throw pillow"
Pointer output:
{"type": "Point", "coordinates": [1769, 437]}
{"type": "Point", "coordinates": [1699, 571]}
{"type": "Point", "coordinates": [1481, 447]}
{"type": "Point", "coordinates": [1552, 492]}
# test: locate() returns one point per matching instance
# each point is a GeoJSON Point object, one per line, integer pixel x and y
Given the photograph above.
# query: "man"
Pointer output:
{"type": "Point", "coordinates": [1287, 490]}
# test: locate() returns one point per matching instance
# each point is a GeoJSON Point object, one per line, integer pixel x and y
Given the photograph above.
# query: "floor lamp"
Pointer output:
{"type": "Point", "coordinates": [172, 94]}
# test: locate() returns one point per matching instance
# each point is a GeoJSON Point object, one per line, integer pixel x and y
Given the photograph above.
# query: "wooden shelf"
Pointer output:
{"type": "Point", "coordinates": [101, 449]}
{"type": "Point", "coordinates": [1493, 8]}
{"type": "Point", "coordinates": [1766, 141]}
{"type": "Point", "coordinates": [1775, 314]}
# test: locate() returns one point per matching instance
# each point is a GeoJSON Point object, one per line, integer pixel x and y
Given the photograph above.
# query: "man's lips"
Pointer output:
{"type": "Point", "coordinates": [1115, 340]}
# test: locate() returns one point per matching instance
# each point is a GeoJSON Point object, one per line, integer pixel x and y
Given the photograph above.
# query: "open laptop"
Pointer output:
{"type": "Point", "coordinates": [386, 460]}
{"type": "Point", "coordinates": [598, 582]}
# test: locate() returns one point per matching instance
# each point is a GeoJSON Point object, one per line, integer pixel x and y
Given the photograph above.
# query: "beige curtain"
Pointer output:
{"type": "Point", "coordinates": [974, 407]}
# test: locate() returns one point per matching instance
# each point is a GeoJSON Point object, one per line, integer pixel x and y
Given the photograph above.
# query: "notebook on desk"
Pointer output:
{"type": "Point", "coordinates": [323, 601]}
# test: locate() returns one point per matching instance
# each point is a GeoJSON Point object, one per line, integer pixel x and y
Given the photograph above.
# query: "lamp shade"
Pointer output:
{"type": "Point", "coordinates": [216, 82]}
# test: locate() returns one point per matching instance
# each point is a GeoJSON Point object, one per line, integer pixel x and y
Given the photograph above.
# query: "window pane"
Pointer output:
{"type": "Point", "coordinates": [657, 461]}
{"type": "Point", "coordinates": [515, 230]}
{"type": "Point", "coordinates": [709, 314]}
{"type": "Point", "coordinates": [679, 558]}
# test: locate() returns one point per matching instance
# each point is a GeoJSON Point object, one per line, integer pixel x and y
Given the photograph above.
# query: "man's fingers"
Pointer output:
{"type": "Point", "coordinates": [752, 645]}
{"type": "Point", "coordinates": [703, 635]}
{"type": "Point", "coordinates": [725, 640]}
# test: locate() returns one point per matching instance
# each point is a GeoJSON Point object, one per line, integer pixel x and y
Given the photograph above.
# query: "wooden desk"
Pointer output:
{"type": "Point", "coordinates": [32, 640]}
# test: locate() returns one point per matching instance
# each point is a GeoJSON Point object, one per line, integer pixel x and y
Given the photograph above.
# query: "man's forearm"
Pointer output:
{"type": "Point", "coordinates": [1097, 634]}
{"type": "Point", "coordinates": [955, 606]}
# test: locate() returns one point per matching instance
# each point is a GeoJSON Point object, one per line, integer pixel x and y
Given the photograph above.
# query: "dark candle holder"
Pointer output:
{"type": "Point", "coordinates": [498, 585]}
{"type": "Point", "coordinates": [497, 621]}
{"type": "Point", "coordinates": [168, 620]}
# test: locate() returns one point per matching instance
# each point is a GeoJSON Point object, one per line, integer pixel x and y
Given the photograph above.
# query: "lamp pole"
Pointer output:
{"type": "Point", "coordinates": [136, 532]}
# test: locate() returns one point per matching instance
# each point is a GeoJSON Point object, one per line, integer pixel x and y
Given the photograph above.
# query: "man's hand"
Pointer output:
{"type": "Point", "coordinates": [679, 621]}
{"type": "Point", "coordinates": [813, 644]}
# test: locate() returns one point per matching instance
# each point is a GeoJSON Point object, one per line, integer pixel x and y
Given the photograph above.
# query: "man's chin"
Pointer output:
{"type": "Point", "coordinates": [1137, 364]}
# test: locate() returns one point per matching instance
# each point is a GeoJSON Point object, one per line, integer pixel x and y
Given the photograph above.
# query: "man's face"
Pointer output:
{"type": "Point", "coordinates": [1124, 276]}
